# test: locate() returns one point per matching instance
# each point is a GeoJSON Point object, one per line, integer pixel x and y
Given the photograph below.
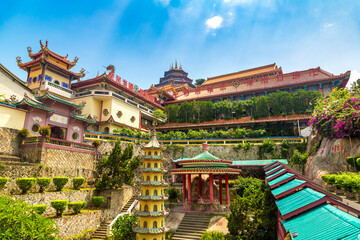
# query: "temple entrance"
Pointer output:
{"type": "Point", "coordinates": [58, 132]}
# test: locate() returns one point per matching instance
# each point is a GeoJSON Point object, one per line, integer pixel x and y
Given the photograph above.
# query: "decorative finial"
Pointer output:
{"type": "Point", "coordinates": [204, 147]}
{"type": "Point", "coordinates": [76, 59]}
{"type": "Point", "coordinates": [66, 56]}
{"type": "Point", "coordinates": [46, 43]}
{"type": "Point", "coordinates": [41, 45]}
{"type": "Point", "coordinates": [180, 67]}
{"type": "Point", "coordinates": [175, 64]}
{"type": "Point", "coordinates": [29, 49]}
{"type": "Point", "coordinates": [18, 59]}
{"type": "Point", "coordinates": [111, 68]}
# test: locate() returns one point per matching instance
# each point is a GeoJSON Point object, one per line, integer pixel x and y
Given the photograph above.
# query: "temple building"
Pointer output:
{"type": "Point", "coordinates": [151, 215]}
{"type": "Point", "coordinates": [49, 77]}
{"type": "Point", "coordinates": [261, 81]}
{"type": "Point", "coordinates": [198, 174]}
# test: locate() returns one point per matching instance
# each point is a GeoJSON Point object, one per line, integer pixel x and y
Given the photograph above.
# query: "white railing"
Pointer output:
{"type": "Point", "coordinates": [128, 212]}
{"type": "Point", "coordinates": [52, 87]}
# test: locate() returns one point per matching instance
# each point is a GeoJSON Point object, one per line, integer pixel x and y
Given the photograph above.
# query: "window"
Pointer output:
{"type": "Point", "coordinates": [65, 85]}
{"type": "Point", "coordinates": [162, 223]}
{"type": "Point", "coordinates": [148, 178]}
{"type": "Point", "coordinates": [155, 178]}
{"type": "Point", "coordinates": [29, 81]}
{"type": "Point", "coordinates": [155, 225]}
{"type": "Point", "coordinates": [149, 153]}
{"type": "Point", "coordinates": [147, 193]}
{"type": "Point", "coordinates": [162, 207]}
{"type": "Point", "coordinates": [48, 78]}
{"type": "Point", "coordinates": [161, 191]}
{"type": "Point", "coordinates": [39, 78]}
{"type": "Point", "coordinates": [34, 79]}
{"type": "Point", "coordinates": [155, 208]}
{"type": "Point", "coordinates": [155, 192]}
{"type": "Point", "coordinates": [106, 112]}
{"type": "Point", "coordinates": [75, 136]}
{"type": "Point", "coordinates": [155, 165]}
{"type": "Point", "coordinates": [146, 208]}
{"type": "Point", "coordinates": [156, 153]}
{"type": "Point", "coordinates": [35, 128]}
{"type": "Point", "coordinates": [106, 129]}
{"type": "Point", "coordinates": [148, 165]}
{"type": "Point", "coordinates": [119, 114]}
{"type": "Point", "coordinates": [145, 224]}
{"type": "Point", "coordinates": [57, 82]}
{"type": "Point", "coordinates": [132, 119]}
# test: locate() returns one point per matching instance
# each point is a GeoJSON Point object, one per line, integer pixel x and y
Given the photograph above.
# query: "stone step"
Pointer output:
{"type": "Point", "coordinates": [192, 226]}
{"type": "Point", "coordinates": [9, 158]}
{"type": "Point", "coordinates": [11, 163]}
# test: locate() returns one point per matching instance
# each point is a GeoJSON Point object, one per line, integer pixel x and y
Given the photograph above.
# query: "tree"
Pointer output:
{"type": "Point", "coordinates": [253, 211]}
{"type": "Point", "coordinates": [117, 169]}
{"type": "Point", "coordinates": [159, 115]}
{"type": "Point", "coordinates": [122, 228]}
{"type": "Point", "coordinates": [172, 111]}
{"type": "Point", "coordinates": [199, 81]}
{"type": "Point", "coordinates": [18, 220]}
{"type": "Point", "coordinates": [185, 112]}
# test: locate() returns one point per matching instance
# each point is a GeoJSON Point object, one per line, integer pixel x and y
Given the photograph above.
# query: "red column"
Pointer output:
{"type": "Point", "coordinates": [220, 189]}
{"type": "Point", "coordinates": [227, 189]}
{"type": "Point", "coordinates": [184, 187]}
{"type": "Point", "coordinates": [211, 187]}
{"type": "Point", "coordinates": [200, 185]}
{"type": "Point", "coordinates": [189, 188]}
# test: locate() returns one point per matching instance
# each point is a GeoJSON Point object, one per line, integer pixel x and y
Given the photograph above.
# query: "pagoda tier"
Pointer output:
{"type": "Point", "coordinates": [152, 198]}
{"type": "Point", "coordinates": [150, 230]}
{"type": "Point", "coordinates": [154, 158]}
{"type": "Point", "coordinates": [151, 170]}
{"type": "Point", "coordinates": [152, 214]}
{"type": "Point", "coordinates": [153, 183]}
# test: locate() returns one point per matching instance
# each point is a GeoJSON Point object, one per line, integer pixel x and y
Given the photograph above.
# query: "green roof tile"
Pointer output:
{"type": "Point", "coordinates": [258, 162]}
{"type": "Point", "coordinates": [33, 103]}
{"type": "Point", "coordinates": [281, 178]}
{"type": "Point", "coordinates": [267, 172]}
{"type": "Point", "coordinates": [277, 172]}
{"type": "Point", "coordinates": [82, 118]}
{"type": "Point", "coordinates": [324, 222]}
{"type": "Point", "coordinates": [204, 156]}
{"type": "Point", "coordinates": [59, 99]}
{"type": "Point", "coordinates": [287, 186]}
{"type": "Point", "coordinates": [298, 200]}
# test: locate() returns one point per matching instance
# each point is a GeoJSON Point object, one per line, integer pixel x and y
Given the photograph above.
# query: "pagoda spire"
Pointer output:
{"type": "Point", "coordinates": [176, 64]}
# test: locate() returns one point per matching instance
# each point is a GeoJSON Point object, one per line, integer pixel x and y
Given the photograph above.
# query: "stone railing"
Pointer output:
{"type": "Point", "coordinates": [30, 142]}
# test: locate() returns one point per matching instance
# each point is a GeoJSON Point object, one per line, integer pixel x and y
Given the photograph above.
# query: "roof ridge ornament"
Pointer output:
{"type": "Point", "coordinates": [204, 147]}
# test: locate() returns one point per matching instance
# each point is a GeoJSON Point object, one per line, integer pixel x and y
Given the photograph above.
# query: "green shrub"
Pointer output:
{"type": "Point", "coordinates": [23, 133]}
{"type": "Point", "coordinates": [122, 228]}
{"type": "Point", "coordinates": [97, 200]}
{"type": "Point", "coordinates": [77, 206]}
{"type": "Point", "coordinates": [43, 183]}
{"type": "Point", "coordinates": [173, 193]}
{"type": "Point", "coordinates": [59, 206]}
{"type": "Point", "coordinates": [45, 131]}
{"type": "Point", "coordinates": [39, 209]}
{"type": "Point", "coordinates": [3, 182]}
{"type": "Point", "coordinates": [18, 220]}
{"type": "Point", "coordinates": [212, 236]}
{"type": "Point", "coordinates": [96, 143]}
{"type": "Point", "coordinates": [352, 161]}
{"type": "Point", "coordinates": [77, 182]}
{"type": "Point", "coordinates": [25, 184]}
{"type": "Point", "coordinates": [299, 158]}
{"type": "Point", "coordinates": [60, 182]}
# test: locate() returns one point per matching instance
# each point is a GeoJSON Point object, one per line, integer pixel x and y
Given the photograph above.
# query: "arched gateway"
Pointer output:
{"type": "Point", "coordinates": [199, 166]}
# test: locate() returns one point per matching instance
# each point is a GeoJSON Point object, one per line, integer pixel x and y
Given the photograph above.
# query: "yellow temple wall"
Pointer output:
{"type": "Point", "coordinates": [32, 74]}
{"type": "Point", "coordinates": [152, 163]}
{"type": "Point", "coordinates": [128, 111]}
{"type": "Point", "coordinates": [92, 106]}
{"type": "Point", "coordinates": [57, 62]}
{"type": "Point", "coordinates": [160, 236]}
{"type": "Point", "coordinates": [57, 77]}
{"type": "Point", "coordinates": [151, 205]}
{"type": "Point", "coordinates": [151, 189]}
{"type": "Point", "coordinates": [152, 176]}
{"type": "Point", "coordinates": [12, 118]}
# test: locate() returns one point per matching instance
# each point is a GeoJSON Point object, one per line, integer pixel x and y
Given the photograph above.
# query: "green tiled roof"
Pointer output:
{"type": "Point", "coordinates": [180, 159]}
{"type": "Point", "coordinates": [152, 170]}
{"type": "Point", "coordinates": [210, 167]}
{"type": "Point", "coordinates": [152, 198]}
{"type": "Point", "coordinates": [148, 230]}
{"type": "Point", "coordinates": [82, 118]}
{"type": "Point", "coordinates": [59, 99]}
{"type": "Point", "coordinates": [258, 162]}
{"type": "Point", "coordinates": [273, 169]}
{"type": "Point", "coordinates": [150, 214]}
{"type": "Point", "coordinates": [287, 186]}
{"type": "Point", "coordinates": [205, 156]}
{"type": "Point", "coordinates": [153, 157]}
{"type": "Point", "coordinates": [323, 222]}
{"type": "Point", "coordinates": [152, 183]}
{"type": "Point", "coordinates": [277, 172]}
{"type": "Point", "coordinates": [281, 178]}
{"type": "Point", "coordinates": [298, 200]}
{"type": "Point", "coordinates": [33, 103]}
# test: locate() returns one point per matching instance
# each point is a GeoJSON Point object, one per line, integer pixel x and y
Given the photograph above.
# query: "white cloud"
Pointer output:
{"type": "Point", "coordinates": [164, 2]}
{"type": "Point", "coordinates": [214, 22]}
{"type": "Point", "coordinates": [355, 75]}
{"type": "Point", "coordinates": [328, 26]}
{"type": "Point", "coordinates": [238, 1]}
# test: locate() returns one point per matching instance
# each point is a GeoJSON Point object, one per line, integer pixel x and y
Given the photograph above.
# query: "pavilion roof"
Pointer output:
{"type": "Point", "coordinates": [153, 143]}
{"type": "Point", "coordinates": [32, 103]}
{"type": "Point", "coordinates": [59, 99]}
{"type": "Point", "coordinates": [257, 162]}
{"type": "Point", "coordinates": [82, 118]}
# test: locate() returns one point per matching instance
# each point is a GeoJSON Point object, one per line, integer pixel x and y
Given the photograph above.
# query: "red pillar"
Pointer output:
{"type": "Point", "coordinates": [200, 185]}
{"type": "Point", "coordinates": [189, 188]}
{"type": "Point", "coordinates": [211, 187]}
{"type": "Point", "coordinates": [227, 189]}
{"type": "Point", "coordinates": [220, 189]}
{"type": "Point", "coordinates": [184, 187]}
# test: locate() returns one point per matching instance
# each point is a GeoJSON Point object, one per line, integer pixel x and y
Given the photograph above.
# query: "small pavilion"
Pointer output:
{"type": "Point", "coordinates": [204, 164]}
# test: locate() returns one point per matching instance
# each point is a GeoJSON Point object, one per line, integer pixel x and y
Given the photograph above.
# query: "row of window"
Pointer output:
{"type": "Point", "coordinates": [156, 178]}
{"type": "Point", "coordinates": [162, 238]}
{"type": "Point", "coordinates": [155, 225]}
{"type": "Point", "coordinates": [155, 208]}
{"type": "Point", "coordinates": [47, 78]}
{"type": "Point", "coordinates": [155, 165]}
{"type": "Point", "coordinates": [36, 127]}
{"type": "Point", "coordinates": [155, 153]}
{"type": "Point", "coordinates": [155, 193]}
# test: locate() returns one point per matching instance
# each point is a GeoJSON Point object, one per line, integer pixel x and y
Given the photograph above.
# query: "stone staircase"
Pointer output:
{"type": "Point", "coordinates": [102, 230]}
{"type": "Point", "coordinates": [192, 226]}
{"type": "Point", "coordinates": [14, 161]}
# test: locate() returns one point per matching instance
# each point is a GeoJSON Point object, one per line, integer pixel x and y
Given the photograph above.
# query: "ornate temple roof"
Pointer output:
{"type": "Point", "coordinates": [82, 118]}
{"type": "Point", "coordinates": [153, 143]}
{"type": "Point", "coordinates": [59, 99]}
{"type": "Point", "coordinates": [26, 101]}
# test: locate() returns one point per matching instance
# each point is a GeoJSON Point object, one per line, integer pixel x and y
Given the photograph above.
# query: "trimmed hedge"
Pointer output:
{"type": "Point", "coordinates": [3, 182]}
{"type": "Point", "coordinates": [39, 209]}
{"type": "Point", "coordinates": [77, 182]}
{"type": "Point", "coordinates": [97, 200]}
{"type": "Point", "coordinates": [352, 161]}
{"type": "Point", "coordinates": [60, 182]}
{"type": "Point", "coordinates": [59, 206]}
{"type": "Point", "coordinates": [25, 184]}
{"type": "Point", "coordinates": [43, 183]}
{"type": "Point", "coordinates": [77, 206]}
{"type": "Point", "coordinates": [348, 180]}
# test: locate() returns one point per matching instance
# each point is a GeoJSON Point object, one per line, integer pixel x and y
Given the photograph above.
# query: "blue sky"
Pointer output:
{"type": "Point", "coordinates": [209, 38]}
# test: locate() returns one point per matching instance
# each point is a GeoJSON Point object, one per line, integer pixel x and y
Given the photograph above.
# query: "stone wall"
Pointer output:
{"type": "Point", "coordinates": [9, 143]}
{"type": "Point", "coordinates": [29, 170]}
{"type": "Point", "coordinates": [106, 147]}
{"type": "Point", "coordinates": [330, 156]}
{"type": "Point", "coordinates": [76, 224]}
{"type": "Point", "coordinates": [47, 197]}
